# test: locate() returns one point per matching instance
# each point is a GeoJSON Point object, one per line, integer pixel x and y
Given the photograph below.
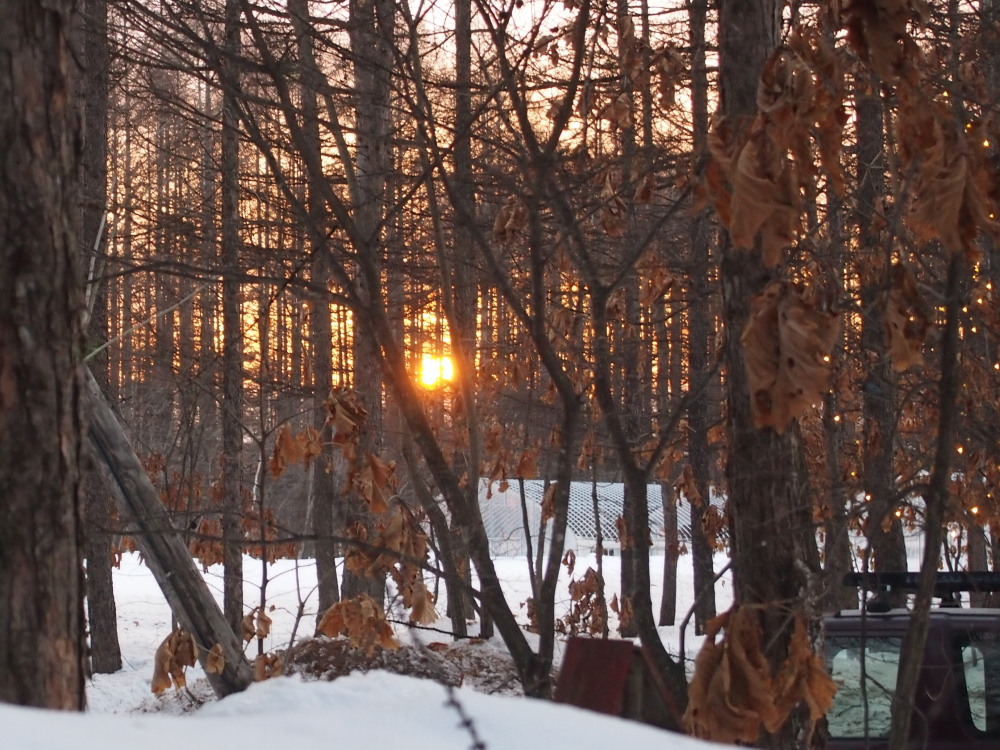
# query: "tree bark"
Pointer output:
{"type": "Point", "coordinates": [231, 406]}
{"type": "Point", "coordinates": [772, 536]}
{"type": "Point", "coordinates": [102, 618]}
{"type": "Point", "coordinates": [885, 531]}
{"type": "Point", "coordinates": [41, 577]}
{"type": "Point", "coordinates": [371, 29]}
{"type": "Point", "coordinates": [699, 333]}
{"type": "Point", "coordinates": [322, 492]}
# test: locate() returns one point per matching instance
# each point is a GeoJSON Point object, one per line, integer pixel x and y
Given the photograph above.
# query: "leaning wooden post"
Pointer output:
{"type": "Point", "coordinates": [166, 555]}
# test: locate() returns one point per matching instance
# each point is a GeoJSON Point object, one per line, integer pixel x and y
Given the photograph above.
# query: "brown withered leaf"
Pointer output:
{"type": "Point", "coordinates": [877, 31]}
{"type": "Point", "coordinates": [713, 526]}
{"type": "Point", "coordinates": [803, 679]}
{"type": "Point", "coordinates": [287, 451]}
{"type": "Point", "coordinates": [906, 320]}
{"type": "Point", "coordinates": [263, 629]}
{"type": "Point", "coordinates": [310, 445]}
{"type": "Point", "coordinates": [174, 655]}
{"type": "Point", "coordinates": [731, 694]}
{"type": "Point", "coordinates": [527, 464]}
{"type": "Point", "coordinates": [787, 348]}
{"type": "Point", "coordinates": [248, 629]}
{"type": "Point", "coordinates": [688, 487]}
{"type": "Point", "coordinates": [549, 502]}
{"type": "Point", "coordinates": [420, 601]}
{"type": "Point", "coordinates": [362, 621]}
{"type": "Point", "coordinates": [645, 190]}
{"type": "Point", "coordinates": [215, 662]}
{"type": "Point", "coordinates": [266, 666]}
{"type": "Point", "coordinates": [764, 198]}
{"type": "Point", "coordinates": [569, 561]}
{"type": "Point", "coordinates": [363, 482]}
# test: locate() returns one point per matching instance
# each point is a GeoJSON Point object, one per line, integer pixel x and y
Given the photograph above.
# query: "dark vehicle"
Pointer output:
{"type": "Point", "coordinates": [958, 693]}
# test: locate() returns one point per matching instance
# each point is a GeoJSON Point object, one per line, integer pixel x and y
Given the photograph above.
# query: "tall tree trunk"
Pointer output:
{"type": "Point", "coordinates": [885, 532]}
{"type": "Point", "coordinates": [322, 493]}
{"type": "Point", "coordinates": [371, 31]}
{"type": "Point", "coordinates": [102, 618]}
{"type": "Point", "coordinates": [232, 348]}
{"type": "Point", "coordinates": [699, 334]}
{"type": "Point", "coordinates": [772, 538]}
{"type": "Point", "coordinates": [462, 319]}
{"type": "Point", "coordinates": [41, 577]}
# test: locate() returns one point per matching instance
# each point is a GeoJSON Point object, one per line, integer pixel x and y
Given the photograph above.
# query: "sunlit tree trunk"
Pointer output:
{"type": "Point", "coordinates": [41, 577]}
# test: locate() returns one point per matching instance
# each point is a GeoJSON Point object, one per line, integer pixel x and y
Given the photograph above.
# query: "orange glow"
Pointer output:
{"type": "Point", "coordinates": [435, 370]}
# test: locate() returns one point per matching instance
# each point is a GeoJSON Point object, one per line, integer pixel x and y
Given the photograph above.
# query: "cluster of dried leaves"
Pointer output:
{"type": "Point", "coordinates": [399, 549]}
{"type": "Point", "coordinates": [255, 624]}
{"type": "Point", "coordinates": [734, 693]}
{"type": "Point", "coordinates": [399, 546]}
{"type": "Point", "coordinates": [588, 612]}
{"type": "Point", "coordinates": [177, 652]}
{"type": "Point", "coordinates": [787, 347]}
{"type": "Point", "coordinates": [760, 176]}
{"type": "Point", "coordinates": [360, 619]}
{"type": "Point", "coordinates": [180, 651]}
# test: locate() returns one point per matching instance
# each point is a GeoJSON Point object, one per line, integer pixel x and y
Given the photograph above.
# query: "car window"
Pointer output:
{"type": "Point", "coordinates": [980, 653]}
{"type": "Point", "coordinates": [865, 673]}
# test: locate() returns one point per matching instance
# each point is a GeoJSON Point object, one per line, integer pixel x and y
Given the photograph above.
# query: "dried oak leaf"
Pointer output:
{"type": "Point", "coordinates": [764, 199]}
{"type": "Point", "coordinates": [569, 560]}
{"type": "Point", "coordinates": [731, 695]}
{"type": "Point", "coordinates": [686, 486]}
{"type": "Point", "coordinates": [549, 502]}
{"type": "Point", "coordinates": [266, 666]}
{"type": "Point", "coordinates": [906, 320]}
{"type": "Point", "coordinates": [287, 451]}
{"type": "Point", "coordinates": [362, 621]}
{"type": "Point", "coordinates": [786, 348]}
{"type": "Point", "coordinates": [803, 679]}
{"type": "Point", "coordinates": [177, 652]}
{"type": "Point", "coordinates": [310, 444]}
{"type": "Point", "coordinates": [263, 628]}
{"type": "Point", "coordinates": [215, 661]}
{"type": "Point", "coordinates": [248, 629]}
{"type": "Point", "coordinates": [877, 31]}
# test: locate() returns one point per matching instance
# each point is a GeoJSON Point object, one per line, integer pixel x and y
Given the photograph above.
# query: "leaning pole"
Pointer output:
{"type": "Point", "coordinates": [162, 548]}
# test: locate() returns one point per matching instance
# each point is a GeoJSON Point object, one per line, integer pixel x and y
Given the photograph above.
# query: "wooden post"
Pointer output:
{"type": "Point", "coordinates": [166, 555]}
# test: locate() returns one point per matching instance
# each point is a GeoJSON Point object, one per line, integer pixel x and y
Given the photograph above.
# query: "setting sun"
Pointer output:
{"type": "Point", "coordinates": [435, 370]}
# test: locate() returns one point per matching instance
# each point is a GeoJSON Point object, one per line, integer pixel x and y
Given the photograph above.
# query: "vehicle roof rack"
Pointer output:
{"type": "Point", "coordinates": [947, 582]}
{"type": "Point", "coordinates": [946, 585]}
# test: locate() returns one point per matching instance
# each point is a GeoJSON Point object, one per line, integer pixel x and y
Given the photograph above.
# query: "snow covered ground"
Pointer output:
{"type": "Point", "coordinates": [377, 709]}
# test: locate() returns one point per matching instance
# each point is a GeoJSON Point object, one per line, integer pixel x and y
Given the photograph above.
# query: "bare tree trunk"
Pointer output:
{"type": "Point", "coordinates": [699, 334]}
{"type": "Point", "coordinates": [885, 532]}
{"type": "Point", "coordinates": [773, 543]}
{"type": "Point", "coordinates": [102, 618]}
{"type": "Point", "coordinates": [322, 493]}
{"type": "Point", "coordinates": [371, 30]}
{"type": "Point", "coordinates": [41, 577]}
{"type": "Point", "coordinates": [232, 349]}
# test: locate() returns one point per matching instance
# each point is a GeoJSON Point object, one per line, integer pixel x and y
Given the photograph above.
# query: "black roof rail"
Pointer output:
{"type": "Point", "coordinates": [946, 584]}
